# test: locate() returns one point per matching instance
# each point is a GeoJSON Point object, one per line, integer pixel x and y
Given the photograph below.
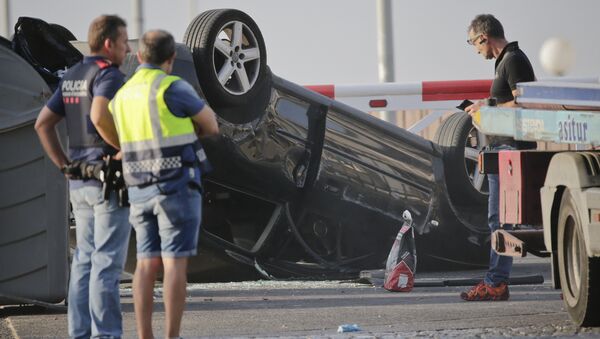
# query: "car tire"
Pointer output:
{"type": "Point", "coordinates": [579, 274]}
{"type": "Point", "coordinates": [460, 144]}
{"type": "Point", "coordinates": [231, 68]}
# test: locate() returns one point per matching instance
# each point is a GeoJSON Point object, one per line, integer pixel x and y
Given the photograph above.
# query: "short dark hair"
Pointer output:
{"type": "Point", "coordinates": [487, 24]}
{"type": "Point", "coordinates": [157, 46]}
{"type": "Point", "coordinates": [102, 28]}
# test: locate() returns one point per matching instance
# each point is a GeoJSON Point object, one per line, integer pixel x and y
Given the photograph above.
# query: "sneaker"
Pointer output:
{"type": "Point", "coordinates": [484, 292]}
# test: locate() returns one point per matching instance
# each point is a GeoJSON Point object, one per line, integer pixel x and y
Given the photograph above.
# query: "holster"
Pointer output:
{"type": "Point", "coordinates": [113, 181]}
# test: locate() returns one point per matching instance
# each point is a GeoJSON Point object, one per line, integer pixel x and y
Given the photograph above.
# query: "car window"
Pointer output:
{"type": "Point", "coordinates": [293, 111]}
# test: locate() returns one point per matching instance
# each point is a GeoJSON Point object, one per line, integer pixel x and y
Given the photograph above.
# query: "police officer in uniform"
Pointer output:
{"type": "Point", "coordinates": [102, 226]}
{"type": "Point", "coordinates": [158, 119]}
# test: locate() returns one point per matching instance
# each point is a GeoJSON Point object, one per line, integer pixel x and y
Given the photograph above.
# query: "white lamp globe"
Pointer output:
{"type": "Point", "coordinates": [557, 56]}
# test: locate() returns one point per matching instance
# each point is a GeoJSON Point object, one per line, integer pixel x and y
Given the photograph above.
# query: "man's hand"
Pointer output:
{"type": "Point", "coordinates": [474, 108]}
{"type": "Point", "coordinates": [72, 170]}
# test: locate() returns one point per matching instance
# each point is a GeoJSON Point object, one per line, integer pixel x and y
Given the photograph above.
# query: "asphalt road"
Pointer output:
{"type": "Point", "coordinates": [316, 309]}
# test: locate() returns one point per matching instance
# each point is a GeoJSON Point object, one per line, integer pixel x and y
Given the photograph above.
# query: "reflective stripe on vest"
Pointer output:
{"type": "Point", "coordinates": [147, 128]}
{"type": "Point", "coordinates": [151, 165]}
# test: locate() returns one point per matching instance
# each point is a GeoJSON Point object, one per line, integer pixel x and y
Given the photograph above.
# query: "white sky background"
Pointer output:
{"type": "Point", "coordinates": [334, 41]}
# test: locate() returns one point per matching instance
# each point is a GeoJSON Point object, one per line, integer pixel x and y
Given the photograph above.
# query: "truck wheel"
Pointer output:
{"type": "Point", "coordinates": [230, 59]}
{"type": "Point", "coordinates": [460, 144]}
{"type": "Point", "coordinates": [579, 274]}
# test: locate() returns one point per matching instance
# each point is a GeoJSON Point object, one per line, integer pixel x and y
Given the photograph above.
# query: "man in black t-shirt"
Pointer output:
{"type": "Point", "coordinates": [486, 34]}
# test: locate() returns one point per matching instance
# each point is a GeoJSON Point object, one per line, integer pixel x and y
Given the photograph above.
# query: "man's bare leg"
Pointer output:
{"type": "Point", "coordinates": [143, 288]}
{"type": "Point", "coordinates": [174, 285]}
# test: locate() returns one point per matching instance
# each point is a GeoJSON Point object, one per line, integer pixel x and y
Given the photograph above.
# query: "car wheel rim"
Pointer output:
{"type": "Point", "coordinates": [236, 57]}
{"type": "Point", "coordinates": [473, 146]}
{"type": "Point", "coordinates": [572, 264]}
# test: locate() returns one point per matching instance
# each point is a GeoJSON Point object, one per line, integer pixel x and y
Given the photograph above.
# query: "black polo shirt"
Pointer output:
{"type": "Point", "coordinates": [512, 66]}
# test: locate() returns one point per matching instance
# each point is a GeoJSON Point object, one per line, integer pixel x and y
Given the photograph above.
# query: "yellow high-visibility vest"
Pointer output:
{"type": "Point", "coordinates": [151, 137]}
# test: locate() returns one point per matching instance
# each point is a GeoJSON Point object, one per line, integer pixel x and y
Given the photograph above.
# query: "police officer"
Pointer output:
{"type": "Point", "coordinates": [101, 225]}
{"type": "Point", "coordinates": [158, 118]}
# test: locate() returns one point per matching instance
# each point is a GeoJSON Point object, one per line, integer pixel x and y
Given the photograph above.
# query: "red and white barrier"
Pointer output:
{"type": "Point", "coordinates": [404, 96]}
{"type": "Point", "coordinates": [435, 95]}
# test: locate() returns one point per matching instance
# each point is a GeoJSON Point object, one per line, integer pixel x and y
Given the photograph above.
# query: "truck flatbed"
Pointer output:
{"type": "Point", "coordinates": [561, 93]}
{"type": "Point", "coordinates": [547, 124]}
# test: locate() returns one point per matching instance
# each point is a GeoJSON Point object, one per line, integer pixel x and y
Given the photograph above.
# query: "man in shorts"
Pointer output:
{"type": "Point", "coordinates": [158, 119]}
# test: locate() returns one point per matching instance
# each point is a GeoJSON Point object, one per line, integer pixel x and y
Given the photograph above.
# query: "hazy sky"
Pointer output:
{"type": "Point", "coordinates": [334, 41]}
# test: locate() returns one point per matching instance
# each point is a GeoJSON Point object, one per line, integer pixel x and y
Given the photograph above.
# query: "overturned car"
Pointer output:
{"type": "Point", "coordinates": [306, 187]}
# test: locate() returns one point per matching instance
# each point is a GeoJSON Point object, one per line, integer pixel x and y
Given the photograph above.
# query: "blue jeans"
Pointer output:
{"type": "Point", "coordinates": [500, 266]}
{"type": "Point", "coordinates": [102, 239]}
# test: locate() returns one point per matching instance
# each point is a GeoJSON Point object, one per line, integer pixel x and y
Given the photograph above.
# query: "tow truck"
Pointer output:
{"type": "Point", "coordinates": [556, 192]}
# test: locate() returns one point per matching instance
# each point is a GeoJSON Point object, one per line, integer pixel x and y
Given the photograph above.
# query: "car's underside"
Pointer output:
{"type": "Point", "coordinates": [304, 186]}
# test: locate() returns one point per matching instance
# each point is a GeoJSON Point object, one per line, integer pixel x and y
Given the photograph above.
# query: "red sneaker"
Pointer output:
{"type": "Point", "coordinates": [484, 292]}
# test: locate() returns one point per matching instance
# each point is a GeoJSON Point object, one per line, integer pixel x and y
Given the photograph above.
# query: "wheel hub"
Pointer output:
{"type": "Point", "coordinates": [237, 51]}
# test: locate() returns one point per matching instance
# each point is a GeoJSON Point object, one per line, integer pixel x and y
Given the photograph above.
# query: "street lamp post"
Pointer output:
{"type": "Point", "coordinates": [385, 48]}
{"type": "Point", "coordinates": [137, 10]}
{"type": "Point", "coordinates": [5, 18]}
